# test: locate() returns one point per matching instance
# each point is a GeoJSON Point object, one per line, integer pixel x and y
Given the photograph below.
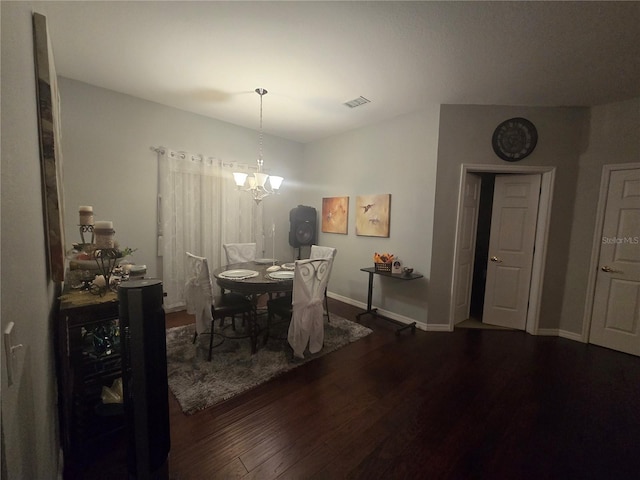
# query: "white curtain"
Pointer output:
{"type": "Point", "coordinates": [199, 209]}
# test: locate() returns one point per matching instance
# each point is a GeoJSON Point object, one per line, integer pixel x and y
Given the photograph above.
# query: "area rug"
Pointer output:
{"type": "Point", "coordinates": [197, 383]}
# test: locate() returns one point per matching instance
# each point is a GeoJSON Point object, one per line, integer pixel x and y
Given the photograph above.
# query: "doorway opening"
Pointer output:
{"type": "Point", "coordinates": [483, 231]}
{"type": "Point", "coordinates": [471, 240]}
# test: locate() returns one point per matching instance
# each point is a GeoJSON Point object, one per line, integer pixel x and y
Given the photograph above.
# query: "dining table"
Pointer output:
{"type": "Point", "coordinates": [253, 279]}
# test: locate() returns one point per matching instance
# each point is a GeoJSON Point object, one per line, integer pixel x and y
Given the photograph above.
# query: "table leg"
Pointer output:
{"type": "Point", "coordinates": [253, 328]}
{"type": "Point", "coordinates": [372, 311]}
{"type": "Point", "coordinates": [403, 326]}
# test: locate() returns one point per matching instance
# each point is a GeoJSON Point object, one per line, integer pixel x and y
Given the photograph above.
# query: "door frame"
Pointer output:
{"type": "Point", "coordinates": [540, 244]}
{"type": "Point", "coordinates": [597, 242]}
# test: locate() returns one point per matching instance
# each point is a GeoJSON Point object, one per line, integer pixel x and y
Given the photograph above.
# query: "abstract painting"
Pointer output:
{"type": "Point", "coordinates": [373, 215]}
{"type": "Point", "coordinates": [335, 214]}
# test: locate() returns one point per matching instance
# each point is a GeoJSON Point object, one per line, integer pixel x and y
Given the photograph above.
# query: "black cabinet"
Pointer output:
{"type": "Point", "coordinates": [88, 359]}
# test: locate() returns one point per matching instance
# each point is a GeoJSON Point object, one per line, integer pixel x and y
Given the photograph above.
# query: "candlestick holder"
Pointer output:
{"type": "Point", "coordinates": [87, 229]}
{"type": "Point", "coordinates": [106, 259]}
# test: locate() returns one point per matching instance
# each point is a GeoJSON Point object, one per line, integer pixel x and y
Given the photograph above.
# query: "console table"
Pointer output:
{"type": "Point", "coordinates": [374, 311]}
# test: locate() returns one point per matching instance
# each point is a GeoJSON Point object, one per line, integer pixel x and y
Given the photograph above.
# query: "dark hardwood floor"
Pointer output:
{"type": "Point", "coordinates": [461, 405]}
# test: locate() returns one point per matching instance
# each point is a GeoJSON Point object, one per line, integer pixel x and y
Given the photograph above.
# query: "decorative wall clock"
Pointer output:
{"type": "Point", "coordinates": [514, 139]}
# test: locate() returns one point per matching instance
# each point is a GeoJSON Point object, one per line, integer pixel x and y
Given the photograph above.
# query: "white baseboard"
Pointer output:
{"type": "Point", "coordinates": [348, 300]}
{"type": "Point", "coordinates": [549, 332]}
{"type": "Point", "coordinates": [571, 336]}
{"type": "Point", "coordinates": [557, 332]}
{"type": "Point", "coordinates": [393, 316]}
{"type": "Point", "coordinates": [439, 327]}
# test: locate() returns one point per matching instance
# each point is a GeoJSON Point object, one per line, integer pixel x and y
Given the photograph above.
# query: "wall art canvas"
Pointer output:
{"type": "Point", "coordinates": [335, 214]}
{"type": "Point", "coordinates": [50, 151]}
{"type": "Point", "coordinates": [373, 214]}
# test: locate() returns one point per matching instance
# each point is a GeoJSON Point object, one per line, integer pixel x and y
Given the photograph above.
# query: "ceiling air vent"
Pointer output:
{"type": "Point", "coordinates": [356, 102]}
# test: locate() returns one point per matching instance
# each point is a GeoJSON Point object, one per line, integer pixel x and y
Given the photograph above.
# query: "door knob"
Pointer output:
{"type": "Point", "coordinates": [496, 259]}
{"type": "Point", "coordinates": [608, 269]}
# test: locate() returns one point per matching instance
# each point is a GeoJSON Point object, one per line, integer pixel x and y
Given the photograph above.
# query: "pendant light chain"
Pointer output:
{"type": "Point", "coordinates": [259, 184]}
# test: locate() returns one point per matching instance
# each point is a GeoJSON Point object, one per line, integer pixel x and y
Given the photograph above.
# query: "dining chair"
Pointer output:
{"type": "Point", "coordinates": [304, 310]}
{"type": "Point", "coordinates": [318, 251]}
{"type": "Point", "coordinates": [239, 252]}
{"type": "Point", "coordinates": [206, 306]}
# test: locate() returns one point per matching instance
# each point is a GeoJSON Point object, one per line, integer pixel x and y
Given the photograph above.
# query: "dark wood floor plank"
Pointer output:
{"type": "Point", "coordinates": [314, 432]}
{"type": "Point", "coordinates": [278, 439]}
{"type": "Point", "coordinates": [462, 405]}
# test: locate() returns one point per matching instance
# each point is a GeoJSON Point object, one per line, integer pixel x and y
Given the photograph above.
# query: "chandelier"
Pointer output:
{"type": "Point", "coordinates": [256, 183]}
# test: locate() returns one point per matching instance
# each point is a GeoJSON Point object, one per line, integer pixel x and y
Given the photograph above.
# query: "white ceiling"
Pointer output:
{"type": "Point", "coordinates": [208, 57]}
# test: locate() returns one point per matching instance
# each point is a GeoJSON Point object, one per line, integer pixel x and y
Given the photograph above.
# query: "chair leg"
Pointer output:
{"type": "Point", "coordinates": [211, 339]}
{"type": "Point", "coordinates": [195, 336]}
{"type": "Point", "coordinates": [266, 331]}
{"type": "Point", "coordinates": [253, 331]}
{"type": "Point", "coordinates": [326, 305]}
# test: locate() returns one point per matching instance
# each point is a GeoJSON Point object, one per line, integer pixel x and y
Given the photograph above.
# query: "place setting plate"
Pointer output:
{"type": "Point", "coordinates": [288, 266]}
{"type": "Point", "coordinates": [265, 261]}
{"type": "Point", "coordinates": [281, 275]}
{"type": "Point", "coordinates": [238, 274]}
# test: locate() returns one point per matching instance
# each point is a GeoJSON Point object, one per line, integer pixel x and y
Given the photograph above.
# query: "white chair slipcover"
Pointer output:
{"type": "Point", "coordinates": [307, 319]}
{"type": "Point", "coordinates": [318, 251]}
{"type": "Point", "coordinates": [198, 291]}
{"type": "Point", "coordinates": [240, 252]}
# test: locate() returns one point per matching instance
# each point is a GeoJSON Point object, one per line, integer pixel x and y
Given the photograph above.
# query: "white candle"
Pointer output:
{"type": "Point", "coordinates": [103, 225]}
{"type": "Point", "coordinates": [86, 214]}
{"type": "Point", "coordinates": [104, 234]}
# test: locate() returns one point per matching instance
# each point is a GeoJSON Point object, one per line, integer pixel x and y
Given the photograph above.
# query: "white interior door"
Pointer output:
{"type": "Point", "coordinates": [466, 247]}
{"type": "Point", "coordinates": [513, 226]}
{"type": "Point", "coordinates": [615, 321]}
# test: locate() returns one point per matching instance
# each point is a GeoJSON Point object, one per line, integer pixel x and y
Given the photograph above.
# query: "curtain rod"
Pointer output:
{"type": "Point", "coordinates": [162, 150]}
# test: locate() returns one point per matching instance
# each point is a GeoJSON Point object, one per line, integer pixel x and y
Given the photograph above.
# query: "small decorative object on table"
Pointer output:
{"type": "Point", "coordinates": [137, 271]}
{"type": "Point", "coordinates": [407, 271]}
{"type": "Point", "coordinates": [106, 259]}
{"type": "Point", "coordinates": [396, 267]}
{"type": "Point", "coordinates": [383, 262]}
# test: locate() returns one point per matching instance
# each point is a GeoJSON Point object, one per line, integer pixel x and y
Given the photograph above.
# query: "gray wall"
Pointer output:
{"type": "Point", "coordinates": [29, 418]}
{"type": "Point", "coordinates": [397, 157]}
{"type": "Point", "coordinates": [107, 137]}
{"type": "Point", "coordinates": [109, 163]}
{"type": "Point", "coordinates": [578, 141]}
{"type": "Point", "coordinates": [614, 137]}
